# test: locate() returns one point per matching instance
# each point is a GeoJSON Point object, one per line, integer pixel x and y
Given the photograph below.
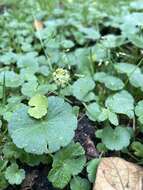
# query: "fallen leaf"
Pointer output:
{"type": "Point", "coordinates": [117, 174]}
{"type": "Point", "coordinates": [38, 25]}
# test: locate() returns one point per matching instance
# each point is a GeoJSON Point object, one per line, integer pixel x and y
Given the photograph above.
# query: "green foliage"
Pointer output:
{"type": "Point", "coordinates": [34, 135]}
{"type": "Point", "coordinates": [111, 82]}
{"type": "Point", "coordinates": [79, 183]}
{"type": "Point", "coordinates": [112, 41]}
{"type": "Point", "coordinates": [101, 148]}
{"type": "Point", "coordinates": [67, 163]}
{"type": "Point", "coordinates": [133, 72]}
{"type": "Point", "coordinates": [31, 88]}
{"type": "Point", "coordinates": [97, 113]}
{"type": "Point", "coordinates": [63, 60]}
{"type": "Point", "coordinates": [14, 175]}
{"type": "Point", "coordinates": [3, 182]}
{"type": "Point", "coordinates": [92, 169]}
{"type": "Point", "coordinates": [117, 101]}
{"type": "Point", "coordinates": [115, 139]}
{"type": "Point", "coordinates": [139, 111]}
{"type": "Point", "coordinates": [137, 148]}
{"type": "Point", "coordinates": [12, 79]}
{"type": "Point", "coordinates": [38, 106]}
{"type": "Point", "coordinates": [13, 103]}
{"type": "Point", "coordinates": [11, 152]}
{"type": "Point", "coordinates": [82, 91]}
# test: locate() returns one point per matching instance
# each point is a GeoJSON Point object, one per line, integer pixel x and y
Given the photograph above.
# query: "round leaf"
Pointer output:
{"type": "Point", "coordinates": [54, 131]}
{"type": "Point", "coordinates": [14, 175]}
{"type": "Point", "coordinates": [115, 139]}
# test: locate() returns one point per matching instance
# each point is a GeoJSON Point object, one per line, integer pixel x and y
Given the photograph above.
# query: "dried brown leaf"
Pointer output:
{"type": "Point", "coordinates": [38, 25]}
{"type": "Point", "coordinates": [117, 174]}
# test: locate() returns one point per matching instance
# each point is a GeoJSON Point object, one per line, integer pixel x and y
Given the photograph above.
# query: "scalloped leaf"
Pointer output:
{"type": "Point", "coordinates": [14, 175]}
{"type": "Point", "coordinates": [38, 106]}
{"type": "Point", "coordinates": [67, 162]}
{"type": "Point", "coordinates": [97, 113]}
{"type": "Point", "coordinates": [54, 131]}
{"type": "Point", "coordinates": [116, 139]}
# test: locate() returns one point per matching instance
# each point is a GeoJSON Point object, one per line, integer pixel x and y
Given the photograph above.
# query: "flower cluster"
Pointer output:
{"type": "Point", "coordinates": [61, 77]}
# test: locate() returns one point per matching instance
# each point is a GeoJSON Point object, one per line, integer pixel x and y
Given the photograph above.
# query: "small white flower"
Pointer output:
{"type": "Point", "coordinates": [142, 52]}
{"type": "Point", "coordinates": [100, 62]}
{"type": "Point", "coordinates": [70, 1]}
{"type": "Point", "coordinates": [106, 63]}
{"type": "Point", "coordinates": [61, 77]}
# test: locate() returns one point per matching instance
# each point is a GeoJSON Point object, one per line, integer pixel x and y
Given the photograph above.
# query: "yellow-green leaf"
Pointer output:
{"type": "Point", "coordinates": [38, 106]}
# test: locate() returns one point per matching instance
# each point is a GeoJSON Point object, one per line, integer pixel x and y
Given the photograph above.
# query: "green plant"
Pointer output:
{"type": "Point", "coordinates": [14, 175]}
{"type": "Point", "coordinates": [82, 67]}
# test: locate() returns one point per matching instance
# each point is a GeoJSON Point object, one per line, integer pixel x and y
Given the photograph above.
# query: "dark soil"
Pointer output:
{"type": "Point", "coordinates": [85, 135]}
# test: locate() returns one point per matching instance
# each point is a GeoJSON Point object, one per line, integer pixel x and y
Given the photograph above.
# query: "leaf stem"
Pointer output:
{"type": "Point", "coordinates": [4, 91]}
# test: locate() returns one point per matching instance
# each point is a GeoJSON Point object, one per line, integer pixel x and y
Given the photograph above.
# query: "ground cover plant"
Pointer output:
{"type": "Point", "coordinates": [71, 84]}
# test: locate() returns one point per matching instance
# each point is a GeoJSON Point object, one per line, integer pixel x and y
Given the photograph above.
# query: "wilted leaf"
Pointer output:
{"type": "Point", "coordinates": [38, 25]}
